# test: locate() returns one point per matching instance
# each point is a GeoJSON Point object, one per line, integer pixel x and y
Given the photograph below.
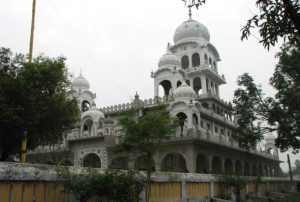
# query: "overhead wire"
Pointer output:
{"type": "Point", "coordinates": [87, 52]}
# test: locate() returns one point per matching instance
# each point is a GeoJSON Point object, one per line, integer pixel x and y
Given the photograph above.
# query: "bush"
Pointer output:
{"type": "Point", "coordinates": [108, 186]}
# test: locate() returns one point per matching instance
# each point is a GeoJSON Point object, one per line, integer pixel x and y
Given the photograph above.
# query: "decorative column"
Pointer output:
{"type": "Point", "coordinates": [203, 85]}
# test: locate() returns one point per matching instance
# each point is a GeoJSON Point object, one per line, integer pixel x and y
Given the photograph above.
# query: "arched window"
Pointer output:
{"type": "Point", "coordinates": [205, 59]}
{"type": "Point", "coordinates": [195, 60]}
{"type": "Point", "coordinates": [197, 85]}
{"type": "Point", "coordinates": [185, 62]}
{"type": "Point", "coordinates": [195, 121]}
{"type": "Point", "coordinates": [166, 84]}
{"type": "Point", "coordinates": [179, 83]}
{"type": "Point", "coordinates": [92, 160]}
{"type": "Point", "coordinates": [87, 126]}
{"type": "Point", "coordinates": [85, 106]}
{"type": "Point", "coordinates": [174, 162]}
{"type": "Point", "coordinates": [182, 117]}
{"type": "Point", "coordinates": [215, 66]}
{"type": "Point", "coordinates": [210, 63]}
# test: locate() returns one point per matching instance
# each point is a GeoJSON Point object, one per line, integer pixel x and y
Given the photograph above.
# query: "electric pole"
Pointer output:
{"type": "Point", "coordinates": [24, 141]}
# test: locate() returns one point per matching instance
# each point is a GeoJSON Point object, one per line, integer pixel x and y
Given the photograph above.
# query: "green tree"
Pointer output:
{"type": "Point", "coordinates": [107, 186]}
{"type": "Point", "coordinates": [276, 19]}
{"type": "Point", "coordinates": [250, 111]}
{"type": "Point", "coordinates": [257, 115]}
{"type": "Point", "coordinates": [145, 132]}
{"type": "Point", "coordinates": [33, 99]}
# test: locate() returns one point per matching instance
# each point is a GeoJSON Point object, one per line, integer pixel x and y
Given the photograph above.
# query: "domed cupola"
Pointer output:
{"type": "Point", "coordinates": [184, 92]}
{"type": "Point", "coordinates": [80, 83]}
{"type": "Point", "coordinates": [191, 30]}
{"type": "Point", "coordinates": [168, 59]}
{"type": "Point", "coordinates": [94, 113]}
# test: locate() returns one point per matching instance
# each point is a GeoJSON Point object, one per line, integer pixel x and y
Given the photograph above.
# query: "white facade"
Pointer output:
{"type": "Point", "coordinates": [189, 75]}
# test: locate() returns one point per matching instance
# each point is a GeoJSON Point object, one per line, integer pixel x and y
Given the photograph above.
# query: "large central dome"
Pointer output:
{"type": "Point", "coordinates": [190, 30]}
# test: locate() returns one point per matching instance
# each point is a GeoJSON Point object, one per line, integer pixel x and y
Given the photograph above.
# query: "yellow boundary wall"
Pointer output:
{"type": "Point", "coordinates": [45, 191]}
{"type": "Point", "coordinates": [28, 183]}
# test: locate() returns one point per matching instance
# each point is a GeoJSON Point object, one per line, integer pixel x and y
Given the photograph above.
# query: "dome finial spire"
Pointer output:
{"type": "Point", "coordinates": [190, 9]}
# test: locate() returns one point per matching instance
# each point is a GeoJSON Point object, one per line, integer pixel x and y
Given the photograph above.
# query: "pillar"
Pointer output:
{"type": "Point", "coordinates": [203, 84]}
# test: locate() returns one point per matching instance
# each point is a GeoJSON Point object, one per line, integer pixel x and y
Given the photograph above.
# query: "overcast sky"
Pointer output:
{"type": "Point", "coordinates": [118, 43]}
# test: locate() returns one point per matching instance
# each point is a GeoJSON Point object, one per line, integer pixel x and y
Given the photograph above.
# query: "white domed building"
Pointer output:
{"type": "Point", "coordinates": [188, 76]}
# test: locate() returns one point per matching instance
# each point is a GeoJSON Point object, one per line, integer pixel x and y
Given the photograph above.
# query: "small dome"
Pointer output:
{"type": "Point", "coordinates": [184, 91]}
{"type": "Point", "coordinates": [80, 83]}
{"type": "Point", "coordinates": [190, 30]}
{"type": "Point", "coordinates": [94, 113]}
{"type": "Point", "coordinates": [168, 59]}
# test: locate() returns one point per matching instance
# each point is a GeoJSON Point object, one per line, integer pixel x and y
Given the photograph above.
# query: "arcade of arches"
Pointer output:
{"type": "Point", "coordinates": [177, 162]}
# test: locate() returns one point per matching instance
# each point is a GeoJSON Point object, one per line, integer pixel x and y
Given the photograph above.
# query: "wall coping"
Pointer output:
{"type": "Point", "coordinates": [40, 172]}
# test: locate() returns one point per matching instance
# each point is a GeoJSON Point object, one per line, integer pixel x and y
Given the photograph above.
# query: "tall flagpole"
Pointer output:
{"type": "Point", "coordinates": [24, 141]}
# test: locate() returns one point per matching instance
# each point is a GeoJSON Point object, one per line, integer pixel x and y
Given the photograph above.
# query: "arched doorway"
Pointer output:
{"type": "Point", "coordinates": [266, 171]}
{"type": "Point", "coordinates": [254, 169]}
{"type": "Point", "coordinates": [247, 169]}
{"type": "Point", "coordinates": [216, 165]}
{"type": "Point", "coordinates": [92, 161]}
{"type": "Point", "coordinates": [228, 166]}
{"type": "Point", "coordinates": [201, 164]}
{"type": "Point", "coordinates": [260, 170]}
{"type": "Point", "coordinates": [174, 162]}
{"type": "Point", "coordinates": [238, 167]}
